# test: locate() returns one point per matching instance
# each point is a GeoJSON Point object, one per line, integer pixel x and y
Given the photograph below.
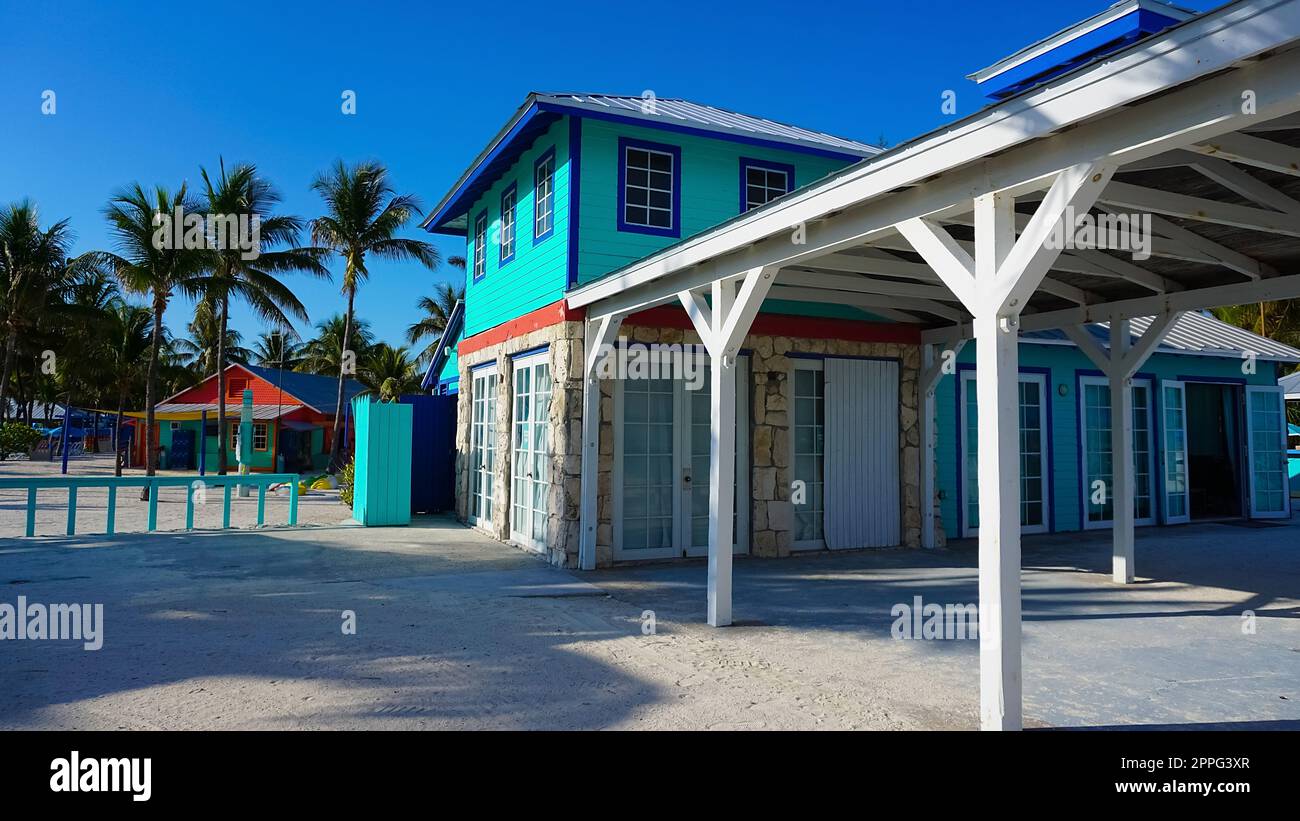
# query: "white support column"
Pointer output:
{"type": "Point", "coordinates": [599, 334]}
{"type": "Point", "coordinates": [931, 373]}
{"type": "Point", "coordinates": [722, 459]}
{"type": "Point", "coordinates": [735, 303]}
{"type": "Point", "coordinates": [1121, 454]}
{"type": "Point", "coordinates": [997, 358]}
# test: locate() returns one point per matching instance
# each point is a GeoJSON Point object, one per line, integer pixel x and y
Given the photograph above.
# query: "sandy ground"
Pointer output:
{"type": "Point", "coordinates": [315, 508]}
{"type": "Point", "coordinates": [242, 630]}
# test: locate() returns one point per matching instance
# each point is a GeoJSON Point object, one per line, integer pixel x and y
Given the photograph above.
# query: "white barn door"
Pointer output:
{"type": "Point", "coordinates": [861, 472]}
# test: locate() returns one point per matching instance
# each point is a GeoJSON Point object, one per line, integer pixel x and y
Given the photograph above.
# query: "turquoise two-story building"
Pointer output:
{"type": "Point", "coordinates": [578, 185]}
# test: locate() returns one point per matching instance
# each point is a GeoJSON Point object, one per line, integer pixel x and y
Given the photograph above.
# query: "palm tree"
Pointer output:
{"type": "Point", "coordinates": [323, 354]}
{"type": "Point", "coordinates": [235, 273]}
{"type": "Point", "coordinates": [143, 267]}
{"type": "Point", "coordinates": [389, 372]}
{"type": "Point", "coordinates": [199, 351]}
{"type": "Point", "coordinates": [128, 339]}
{"type": "Point", "coordinates": [363, 216]}
{"type": "Point", "coordinates": [278, 349]}
{"type": "Point", "coordinates": [437, 312]}
{"type": "Point", "coordinates": [33, 262]}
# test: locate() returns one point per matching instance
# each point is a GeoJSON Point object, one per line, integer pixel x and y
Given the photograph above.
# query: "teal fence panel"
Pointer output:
{"type": "Point", "coordinates": [381, 492]}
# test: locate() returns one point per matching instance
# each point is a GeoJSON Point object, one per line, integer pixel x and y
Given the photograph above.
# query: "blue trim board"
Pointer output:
{"type": "Point", "coordinates": [548, 154]}
{"type": "Point", "coordinates": [502, 261]}
{"type": "Point", "coordinates": [747, 163]}
{"type": "Point", "coordinates": [675, 151]}
{"type": "Point", "coordinates": [575, 200]}
{"type": "Point", "coordinates": [531, 351]}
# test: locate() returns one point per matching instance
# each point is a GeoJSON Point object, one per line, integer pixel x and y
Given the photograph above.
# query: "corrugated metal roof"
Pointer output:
{"type": "Point", "coordinates": [1291, 385]}
{"type": "Point", "coordinates": [232, 409]}
{"type": "Point", "coordinates": [687, 113]}
{"type": "Point", "coordinates": [1193, 333]}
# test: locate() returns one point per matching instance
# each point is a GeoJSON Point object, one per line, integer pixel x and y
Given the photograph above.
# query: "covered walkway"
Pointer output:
{"type": "Point", "coordinates": [1194, 129]}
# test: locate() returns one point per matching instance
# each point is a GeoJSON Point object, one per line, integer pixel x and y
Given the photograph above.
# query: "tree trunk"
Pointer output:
{"type": "Point", "coordinates": [11, 343]}
{"type": "Point", "coordinates": [336, 440]}
{"type": "Point", "coordinates": [151, 392]}
{"type": "Point", "coordinates": [117, 433]}
{"type": "Point", "coordinates": [224, 308]}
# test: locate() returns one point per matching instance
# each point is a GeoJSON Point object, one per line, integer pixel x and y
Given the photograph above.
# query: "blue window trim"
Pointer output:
{"type": "Point", "coordinates": [474, 259]}
{"type": "Point", "coordinates": [675, 230]}
{"type": "Point", "coordinates": [747, 163]}
{"type": "Point", "coordinates": [512, 188]}
{"type": "Point", "coordinates": [549, 154]}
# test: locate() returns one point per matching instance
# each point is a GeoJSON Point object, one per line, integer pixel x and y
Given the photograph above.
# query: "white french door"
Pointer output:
{"type": "Point", "coordinates": [661, 467]}
{"type": "Point", "coordinates": [1266, 448]}
{"type": "Point", "coordinates": [483, 436]}
{"type": "Point", "coordinates": [530, 479]}
{"type": "Point", "coordinates": [1173, 424]}
{"type": "Point", "coordinates": [1098, 464]}
{"type": "Point", "coordinates": [1035, 487]}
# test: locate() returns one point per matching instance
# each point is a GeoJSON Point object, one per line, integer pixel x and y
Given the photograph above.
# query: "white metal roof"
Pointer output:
{"type": "Point", "coordinates": [686, 113]}
{"type": "Point", "coordinates": [232, 409]}
{"type": "Point", "coordinates": [1291, 385]}
{"type": "Point", "coordinates": [1193, 333]}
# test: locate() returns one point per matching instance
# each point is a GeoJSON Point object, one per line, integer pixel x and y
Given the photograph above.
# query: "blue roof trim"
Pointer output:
{"type": "Point", "coordinates": [1113, 36]}
{"type": "Point", "coordinates": [449, 334]}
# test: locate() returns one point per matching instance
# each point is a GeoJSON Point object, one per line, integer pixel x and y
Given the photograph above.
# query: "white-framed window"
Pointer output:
{"type": "Point", "coordinates": [261, 436]}
{"type": "Point", "coordinates": [648, 196]}
{"type": "Point", "coordinates": [480, 246]}
{"type": "Point", "coordinates": [762, 182]}
{"type": "Point", "coordinates": [808, 431]}
{"type": "Point", "coordinates": [1035, 485]}
{"type": "Point", "coordinates": [508, 224]}
{"type": "Point", "coordinates": [544, 196]}
{"type": "Point", "coordinates": [483, 437]}
{"type": "Point", "coordinates": [530, 473]}
{"type": "Point", "coordinates": [1098, 458]}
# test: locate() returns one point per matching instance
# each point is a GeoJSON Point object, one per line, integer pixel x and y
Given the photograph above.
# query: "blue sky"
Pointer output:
{"type": "Point", "coordinates": [148, 92]}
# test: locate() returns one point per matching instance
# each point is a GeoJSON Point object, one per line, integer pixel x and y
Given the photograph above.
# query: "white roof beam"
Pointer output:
{"type": "Point", "coordinates": [1136, 197]}
{"type": "Point", "coordinates": [868, 301]}
{"type": "Point", "coordinates": [1252, 188]}
{"type": "Point", "coordinates": [1248, 150]}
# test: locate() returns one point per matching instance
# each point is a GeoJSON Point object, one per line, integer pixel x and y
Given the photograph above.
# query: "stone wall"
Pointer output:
{"type": "Point", "coordinates": [770, 380]}
{"type": "Point", "coordinates": [565, 430]}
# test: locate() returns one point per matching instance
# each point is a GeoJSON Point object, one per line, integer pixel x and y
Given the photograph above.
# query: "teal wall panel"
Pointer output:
{"type": "Point", "coordinates": [381, 494]}
{"type": "Point", "coordinates": [537, 275]}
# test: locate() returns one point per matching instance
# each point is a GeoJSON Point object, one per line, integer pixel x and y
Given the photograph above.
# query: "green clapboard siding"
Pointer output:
{"type": "Point", "coordinates": [710, 195]}
{"type": "Point", "coordinates": [1065, 363]}
{"type": "Point", "coordinates": [381, 493]}
{"type": "Point", "coordinates": [537, 275]}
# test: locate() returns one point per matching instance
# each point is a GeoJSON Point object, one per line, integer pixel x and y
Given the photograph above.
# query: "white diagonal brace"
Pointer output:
{"type": "Point", "coordinates": [1200, 209]}
{"type": "Point", "coordinates": [1240, 181]}
{"type": "Point", "coordinates": [1074, 190]}
{"type": "Point", "coordinates": [735, 323]}
{"type": "Point", "coordinates": [1136, 356]}
{"type": "Point", "coordinates": [701, 316]}
{"type": "Point", "coordinates": [943, 253]}
{"type": "Point", "coordinates": [1088, 344]}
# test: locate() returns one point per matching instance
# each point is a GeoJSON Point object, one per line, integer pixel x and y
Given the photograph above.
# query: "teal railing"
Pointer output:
{"type": "Point", "coordinates": [260, 481]}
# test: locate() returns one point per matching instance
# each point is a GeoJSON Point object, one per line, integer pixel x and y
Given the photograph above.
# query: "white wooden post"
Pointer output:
{"type": "Point", "coordinates": [997, 386]}
{"type": "Point", "coordinates": [1121, 453]}
{"type": "Point", "coordinates": [598, 334]}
